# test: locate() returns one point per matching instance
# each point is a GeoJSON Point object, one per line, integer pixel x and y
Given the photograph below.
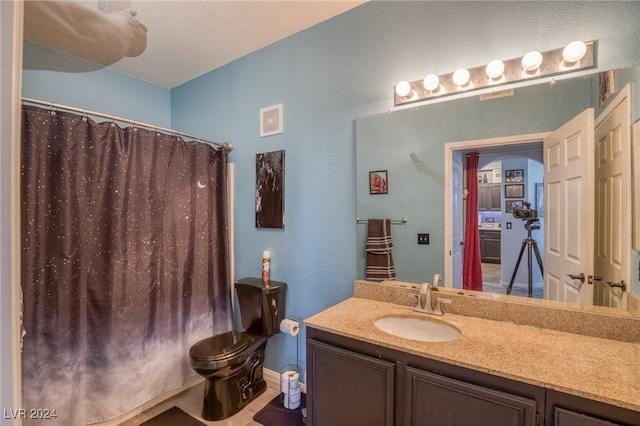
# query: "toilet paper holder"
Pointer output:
{"type": "Point", "coordinates": [290, 391]}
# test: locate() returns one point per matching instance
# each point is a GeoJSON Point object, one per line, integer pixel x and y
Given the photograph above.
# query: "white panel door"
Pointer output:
{"type": "Point", "coordinates": [568, 180]}
{"type": "Point", "coordinates": [457, 216]}
{"type": "Point", "coordinates": [613, 201]}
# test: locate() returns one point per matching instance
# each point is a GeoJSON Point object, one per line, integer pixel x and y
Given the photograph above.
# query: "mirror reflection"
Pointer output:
{"type": "Point", "coordinates": [424, 153]}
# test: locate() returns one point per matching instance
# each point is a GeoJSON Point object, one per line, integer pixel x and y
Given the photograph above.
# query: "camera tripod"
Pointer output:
{"type": "Point", "coordinates": [529, 243]}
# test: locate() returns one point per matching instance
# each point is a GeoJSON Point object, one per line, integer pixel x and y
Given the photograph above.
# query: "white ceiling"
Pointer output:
{"type": "Point", "coordinates": [188, 38]}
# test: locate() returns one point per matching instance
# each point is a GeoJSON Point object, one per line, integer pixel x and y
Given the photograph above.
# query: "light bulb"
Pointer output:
{"type": "Point", "coordinates": [574, 51]}
{"type": "Point", "coordinates": [532, 61]}
{"type": "Point", "coordinates": [495, 69]}
{"type": "Point", "coordinates": [461, 77]}
{"type": "Point", "coordinates": [403, 89]}
{"type": "Point", "coordinates": [431, 82]}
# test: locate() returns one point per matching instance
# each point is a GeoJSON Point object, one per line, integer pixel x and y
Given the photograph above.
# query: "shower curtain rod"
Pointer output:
{"type": "Point", "coordinates": [225, 145]}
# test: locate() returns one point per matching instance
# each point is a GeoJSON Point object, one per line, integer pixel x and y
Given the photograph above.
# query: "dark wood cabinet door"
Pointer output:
{"type": "Point", "coordinates": [484, 197]}
{"type": "Point", "coordinates": [490, 246]}
{"type": "Point", "coordinates": [346, 388]}
{"type": "Point", "coordinates": [564, 417]}
{"type": "Point", "coordinates": [495, 197]}
{"type": "Point", "coordinates": [490, 196]}
{"type": "Point", "coordinates": [434, 400]}
{"type": "Point", "coordinates": [571, 410]}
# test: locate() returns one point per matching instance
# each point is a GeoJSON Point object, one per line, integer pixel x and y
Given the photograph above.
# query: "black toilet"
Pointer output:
{"type": "Point", "coordinates": [232, 362]}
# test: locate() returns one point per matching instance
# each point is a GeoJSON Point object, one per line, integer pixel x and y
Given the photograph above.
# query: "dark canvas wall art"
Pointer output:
{"type": "Point", "coordinates": [270, 190]}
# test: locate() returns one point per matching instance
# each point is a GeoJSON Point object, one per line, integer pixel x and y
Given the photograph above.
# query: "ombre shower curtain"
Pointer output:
{"type": "Point", "coordinates": [125, 263]}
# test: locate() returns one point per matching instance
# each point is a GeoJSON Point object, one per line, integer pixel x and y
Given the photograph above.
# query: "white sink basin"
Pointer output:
{"type": "Point", "coordinates": [419, 329]}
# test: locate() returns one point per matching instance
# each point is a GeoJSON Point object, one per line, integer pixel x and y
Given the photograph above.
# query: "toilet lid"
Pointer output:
{"type": "Point", "coordinates": [219, 347]}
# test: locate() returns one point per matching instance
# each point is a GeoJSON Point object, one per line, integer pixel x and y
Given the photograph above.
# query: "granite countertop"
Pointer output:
{"type": "Point", "coordinates": [595, 368]}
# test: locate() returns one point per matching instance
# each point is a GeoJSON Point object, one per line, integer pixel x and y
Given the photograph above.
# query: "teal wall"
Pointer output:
{"type": "Point", "coordinates": [326, 77]}
{"type": "Point", "coordinates": [102, 90]}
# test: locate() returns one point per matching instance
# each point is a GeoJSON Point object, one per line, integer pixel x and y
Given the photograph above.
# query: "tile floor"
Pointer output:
{"type": "Point", "coordinates": [491, 283]}
{"type": "Point", "coordinates": [190, 401]}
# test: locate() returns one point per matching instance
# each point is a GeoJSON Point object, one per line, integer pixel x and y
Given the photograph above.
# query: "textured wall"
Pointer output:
{"type": "Point", "coordinates": [326, 77]}
{"type": "Point", "coordinates": [346, 68]}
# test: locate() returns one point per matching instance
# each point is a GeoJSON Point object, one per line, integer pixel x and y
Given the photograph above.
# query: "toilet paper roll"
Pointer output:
{"type": "Point", "coordinates": [290, 327]}
{"type": "Point", "coordinates": [292, 400]}
{"type": "Point", "coordinates": [289, 380]}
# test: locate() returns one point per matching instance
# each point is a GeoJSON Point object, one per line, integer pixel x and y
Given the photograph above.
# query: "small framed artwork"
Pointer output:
{"type": "Point", "coordinates": [514, 176]}
{"type": "Point", "coordinates": [378, 182]}
{"type": "Point", "coordinates": [514, 191]}
{"type": "Point", "coordinates": [497, 175]}
{"type": "Point", "coordinates": [606, 86]}
{"type": "Point", "coordinates": [510, 205]}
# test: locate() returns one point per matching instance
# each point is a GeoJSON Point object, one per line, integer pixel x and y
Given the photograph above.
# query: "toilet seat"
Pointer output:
{"type": "Point", "coordinates": [220, 347]}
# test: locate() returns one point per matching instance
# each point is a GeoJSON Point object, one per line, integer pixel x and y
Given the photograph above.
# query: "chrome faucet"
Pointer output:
{"type": "Point", "coordinates": [425, 290]}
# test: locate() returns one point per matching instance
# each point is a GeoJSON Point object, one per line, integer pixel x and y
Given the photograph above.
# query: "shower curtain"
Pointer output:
{"type": "Point", "coordinates": [125, 263]}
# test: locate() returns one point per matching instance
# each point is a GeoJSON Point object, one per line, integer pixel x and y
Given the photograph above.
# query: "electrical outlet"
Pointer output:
{"type": "Point", "coordinates": [508, 225]}
{"type": "Point", "coordinates": [423, 238]}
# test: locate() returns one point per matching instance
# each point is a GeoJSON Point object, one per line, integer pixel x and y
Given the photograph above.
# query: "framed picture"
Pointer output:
{"type": "Point", "coordinates": [378, 182]}
{"type": "Point", "coordinates": [514, 191]}
{"type": "Point", "coordinates": [270, 190]}
{"type": "Point", "coordinates": [513, 176]}
{"type": "Point", "coordinates": [606, 86]}
{"type": "Point", "coordinates": [510, 205]}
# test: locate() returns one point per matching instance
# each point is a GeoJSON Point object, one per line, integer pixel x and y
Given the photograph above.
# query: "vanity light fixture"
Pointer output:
{"type": "Point", "coordinates": [576, 56]}
{"type": "Point", "coordinates": [495, 69]}
{"type": "Point", "coordinates": [532, 61]}
{"type": "Point", "coordinates": [403, 89]}
{"type": "Point", "coordinates": [461, 77]}
{"type": "Point", "coordinates": [431, 82]}
{"type": "Point", "coordinates": [574, 51]}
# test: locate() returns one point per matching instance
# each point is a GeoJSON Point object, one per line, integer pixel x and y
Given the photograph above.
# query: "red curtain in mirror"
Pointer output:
{"type": "Point", "coordinates": [472, 268]}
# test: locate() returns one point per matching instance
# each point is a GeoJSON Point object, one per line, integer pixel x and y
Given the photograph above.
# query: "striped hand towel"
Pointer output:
{"type": "Point", "coordinates": [379, 245]}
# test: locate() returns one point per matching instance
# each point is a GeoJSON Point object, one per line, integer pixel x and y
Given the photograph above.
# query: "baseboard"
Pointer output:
{"type": "Point", "coordinates": [273, 379]}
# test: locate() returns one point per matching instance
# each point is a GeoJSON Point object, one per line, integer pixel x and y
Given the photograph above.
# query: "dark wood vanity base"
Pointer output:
{"type": "Point", "coordinates": [351, 383]}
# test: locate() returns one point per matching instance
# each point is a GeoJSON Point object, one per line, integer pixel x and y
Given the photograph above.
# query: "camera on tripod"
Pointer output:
{"type": "Point", "coordinates": [524, 212]}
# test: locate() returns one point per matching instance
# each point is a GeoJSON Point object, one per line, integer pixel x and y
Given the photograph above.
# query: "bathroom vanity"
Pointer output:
{"type": "Point", "coordinates": [497, 372]}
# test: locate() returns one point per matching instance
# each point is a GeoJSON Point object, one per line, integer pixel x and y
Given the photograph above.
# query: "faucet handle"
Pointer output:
{"type": "Point", "coordinates": [424, 288]}
{"type": "Point", "coordinates": [437, 278]}
{"type": "Point", "coordinates": [418, 297]}
{"type": "Point", "coordinates": [438, 309]}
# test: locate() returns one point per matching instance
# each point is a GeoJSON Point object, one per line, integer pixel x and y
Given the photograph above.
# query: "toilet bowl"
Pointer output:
{"type": "Point", "coordinates": [232, 362]}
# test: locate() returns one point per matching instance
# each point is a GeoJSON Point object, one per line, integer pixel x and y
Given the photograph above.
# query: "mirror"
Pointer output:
{"type": "Point", "coordinates": [409, 144]}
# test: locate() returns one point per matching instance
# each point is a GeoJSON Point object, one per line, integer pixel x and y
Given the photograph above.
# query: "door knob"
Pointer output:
{"type": "Point", "coordinates": [621, 285]}
{"type": "Point", "coordinates": [577, 277]}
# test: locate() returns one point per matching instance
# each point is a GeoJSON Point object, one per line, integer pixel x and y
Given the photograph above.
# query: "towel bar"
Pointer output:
{"type": "Point", "coordinates": [393, 221]}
